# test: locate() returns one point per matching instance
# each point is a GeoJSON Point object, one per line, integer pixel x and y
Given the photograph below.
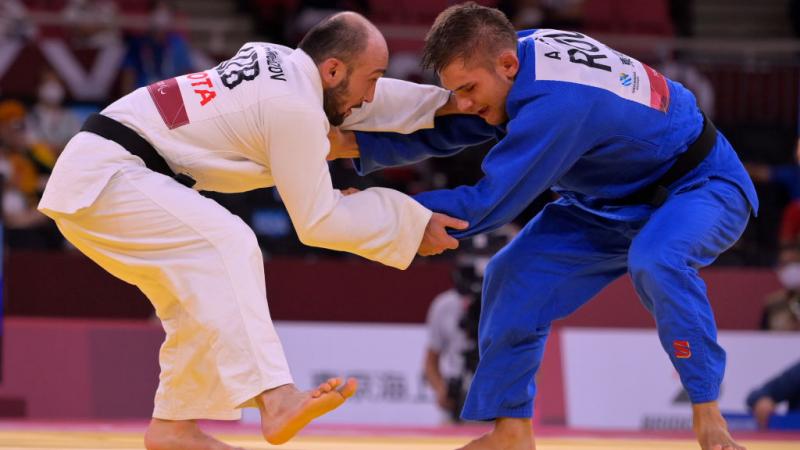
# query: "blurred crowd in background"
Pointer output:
{"type": "Point", "coordinates": [61, 60]}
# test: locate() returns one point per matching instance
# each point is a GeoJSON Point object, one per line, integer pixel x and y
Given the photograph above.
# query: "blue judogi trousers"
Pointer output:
{"type": "Point", "coordinates": [566, 255]}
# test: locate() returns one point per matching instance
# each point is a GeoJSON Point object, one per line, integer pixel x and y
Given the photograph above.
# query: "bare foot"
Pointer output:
{"type": "Point", "coordinates": [285, 410]}
{"type": "Point", "coordinates": [508, 434]}
{"type": "Point", "coordinates": [711, 429]}
{"type": "Point", "coordinates": [180, 435]}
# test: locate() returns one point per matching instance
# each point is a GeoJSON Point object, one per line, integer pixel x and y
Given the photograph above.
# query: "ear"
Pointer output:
{"type": "Point", "coordinates": [508, 63]}
{"type": "Point", "coordinates": [332, 71]}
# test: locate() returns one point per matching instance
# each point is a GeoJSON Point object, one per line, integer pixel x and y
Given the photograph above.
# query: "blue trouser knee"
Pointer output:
{"type": "Point", "coordinates": [561, 259]}
{"type": "Point", "coordinates": [687, 233]}
{"type": "Point", "coordinates": [565, 256]}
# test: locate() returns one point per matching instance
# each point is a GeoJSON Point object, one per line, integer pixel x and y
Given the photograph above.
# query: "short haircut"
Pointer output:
{"type": "Point", "coordinates": [338, 36]}
{"type": "Point", "coordinates": [466, 31]}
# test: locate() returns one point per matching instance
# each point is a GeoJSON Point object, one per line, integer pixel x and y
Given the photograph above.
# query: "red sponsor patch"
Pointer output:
{"type": "Point", "coordinates": [682, 349]}
{"type": "Point", "coordinates": [167, 96]}
{"type": "Point", "coordinates": [659, 91]}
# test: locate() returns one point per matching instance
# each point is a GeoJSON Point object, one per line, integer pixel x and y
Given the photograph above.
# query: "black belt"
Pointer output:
{"type": "Point", "coordinates": [131, 141]}
{"type": "Point", "coordinates": [657, 192]}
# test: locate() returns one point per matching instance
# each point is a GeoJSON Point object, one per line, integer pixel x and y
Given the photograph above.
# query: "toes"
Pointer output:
{"type": "Point", "coordinates": [349, 389]}
{"type": "Point", "coordinates": [346, 390]}
{"type": "Point", "coordinates": [327, 386]}
{"type": "Point", "coordinates": [334, 382]}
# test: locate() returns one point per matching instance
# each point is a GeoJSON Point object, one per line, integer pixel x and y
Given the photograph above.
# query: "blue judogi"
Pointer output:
{"type": "Point", "coordinates": [594, 125]}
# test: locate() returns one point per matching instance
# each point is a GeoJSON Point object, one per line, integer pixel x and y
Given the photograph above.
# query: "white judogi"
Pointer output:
{"type": "Point", "coordinates": [254, 121]}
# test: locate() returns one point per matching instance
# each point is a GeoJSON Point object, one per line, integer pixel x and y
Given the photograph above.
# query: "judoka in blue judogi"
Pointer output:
{"type": "Point", "coordinates": [600, 129]}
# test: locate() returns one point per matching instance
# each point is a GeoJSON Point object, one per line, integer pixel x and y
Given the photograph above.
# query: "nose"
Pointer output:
{"type": "Point", "coordinates": [464, 104]}
{"type": "Point", "coordinates": [370, 94]}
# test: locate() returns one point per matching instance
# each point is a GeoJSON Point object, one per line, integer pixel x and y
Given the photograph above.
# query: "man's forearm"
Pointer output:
{"type": "Point", "coordinates": [451, 107]}
{"type": "Point", "coordinates": [343, 144]}
{"type": "Point", "coordinates": [432, 373]}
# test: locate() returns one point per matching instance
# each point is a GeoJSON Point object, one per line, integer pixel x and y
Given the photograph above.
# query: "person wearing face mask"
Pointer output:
{"type": "Point", "coordinates": [125, 193]}
{"type": "Point", "coordinates": [782, 308]}
{"type": "Point", "coordinates": [49, 121]}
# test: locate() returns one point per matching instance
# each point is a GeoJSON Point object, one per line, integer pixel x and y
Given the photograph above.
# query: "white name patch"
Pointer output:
{"type": "Point", "coordinates": [576, 58]}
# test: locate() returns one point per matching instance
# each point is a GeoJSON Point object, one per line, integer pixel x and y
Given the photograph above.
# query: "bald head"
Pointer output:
{"type": "Point", "coordinates": [344, 36]}
{"type": "Point", "coordinates": [350, 54]}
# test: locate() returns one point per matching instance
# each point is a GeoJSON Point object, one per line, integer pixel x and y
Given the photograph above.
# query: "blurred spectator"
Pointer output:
{"type": "Point", "coordinates": [675, 65]}
{"type": "Point", "coordinates": [787, 176]}
{"type": "Point", "coordinates": [447, 343]}
{"type": "Point", "coordinates": [15, 24]}
{"type": "Point", "coordinates": [452, 354]}
{"type": "Point", "coordinates": [790, 224]}
{"type": "Point", "coordinates": [91, 23]}
{"type": "Point", "coordinates": [782, 308]}
{"type": "Point", "coordinates": [49, 121]}
{"type": "Point", "coordinates": [25, 167]}
{"type": "Point", "coordinates": [783, 388]}
{"type": "Point", "coordinates": [161, 53]}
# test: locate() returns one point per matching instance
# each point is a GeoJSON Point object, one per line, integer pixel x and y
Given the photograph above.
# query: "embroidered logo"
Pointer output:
{"type": "Point", "coordinates": [167, 97]}
{"type": "Point", "coordinates": [625, 79]}
{"type": "Point", "coordinates": [682, 349]}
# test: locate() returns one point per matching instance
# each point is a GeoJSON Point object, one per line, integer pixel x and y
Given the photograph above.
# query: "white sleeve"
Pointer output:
{"type": "Point", "coordinates": [379, 224]}
{"type": "Point", "coordinates": [398, 106]}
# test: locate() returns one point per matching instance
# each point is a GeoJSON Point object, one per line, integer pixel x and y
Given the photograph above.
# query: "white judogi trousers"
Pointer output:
{"type": "Point", "coordinates": [202, 269]}
{"type": "Point", "coordinates": [201, 266]}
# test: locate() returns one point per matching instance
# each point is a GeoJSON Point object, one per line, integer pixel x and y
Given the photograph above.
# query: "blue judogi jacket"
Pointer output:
{"type": "Point", "coordinates": [584, 120]}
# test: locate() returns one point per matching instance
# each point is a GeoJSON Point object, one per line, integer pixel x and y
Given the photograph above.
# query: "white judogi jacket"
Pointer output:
{"type": "Point", "coordinates": [255, 121]}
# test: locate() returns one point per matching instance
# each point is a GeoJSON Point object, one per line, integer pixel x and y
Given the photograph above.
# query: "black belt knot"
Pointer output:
{"type": "Point", "coordinates": [656, 193]}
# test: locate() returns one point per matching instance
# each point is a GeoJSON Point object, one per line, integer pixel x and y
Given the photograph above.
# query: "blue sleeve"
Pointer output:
{"type": "Point", "coordinates": [541, 145]}
{"type": "Point", "coordinates": [450, 135]}
{"type": "Point", "coordinates": [781, 388]}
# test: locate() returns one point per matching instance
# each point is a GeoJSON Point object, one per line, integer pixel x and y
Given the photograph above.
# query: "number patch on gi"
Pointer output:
{"type": "Point", "coordinates": [576, 58]}
{"type": "Point", "coordinates": [242, 67]}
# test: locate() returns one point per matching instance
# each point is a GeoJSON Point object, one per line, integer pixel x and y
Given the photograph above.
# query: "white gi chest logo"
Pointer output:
{"type": "Point", "coordinates": [576, 58]}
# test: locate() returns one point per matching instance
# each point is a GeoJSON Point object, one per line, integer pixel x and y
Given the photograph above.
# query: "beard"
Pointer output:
{"type": "Point", "coordinates": [334, 100]}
